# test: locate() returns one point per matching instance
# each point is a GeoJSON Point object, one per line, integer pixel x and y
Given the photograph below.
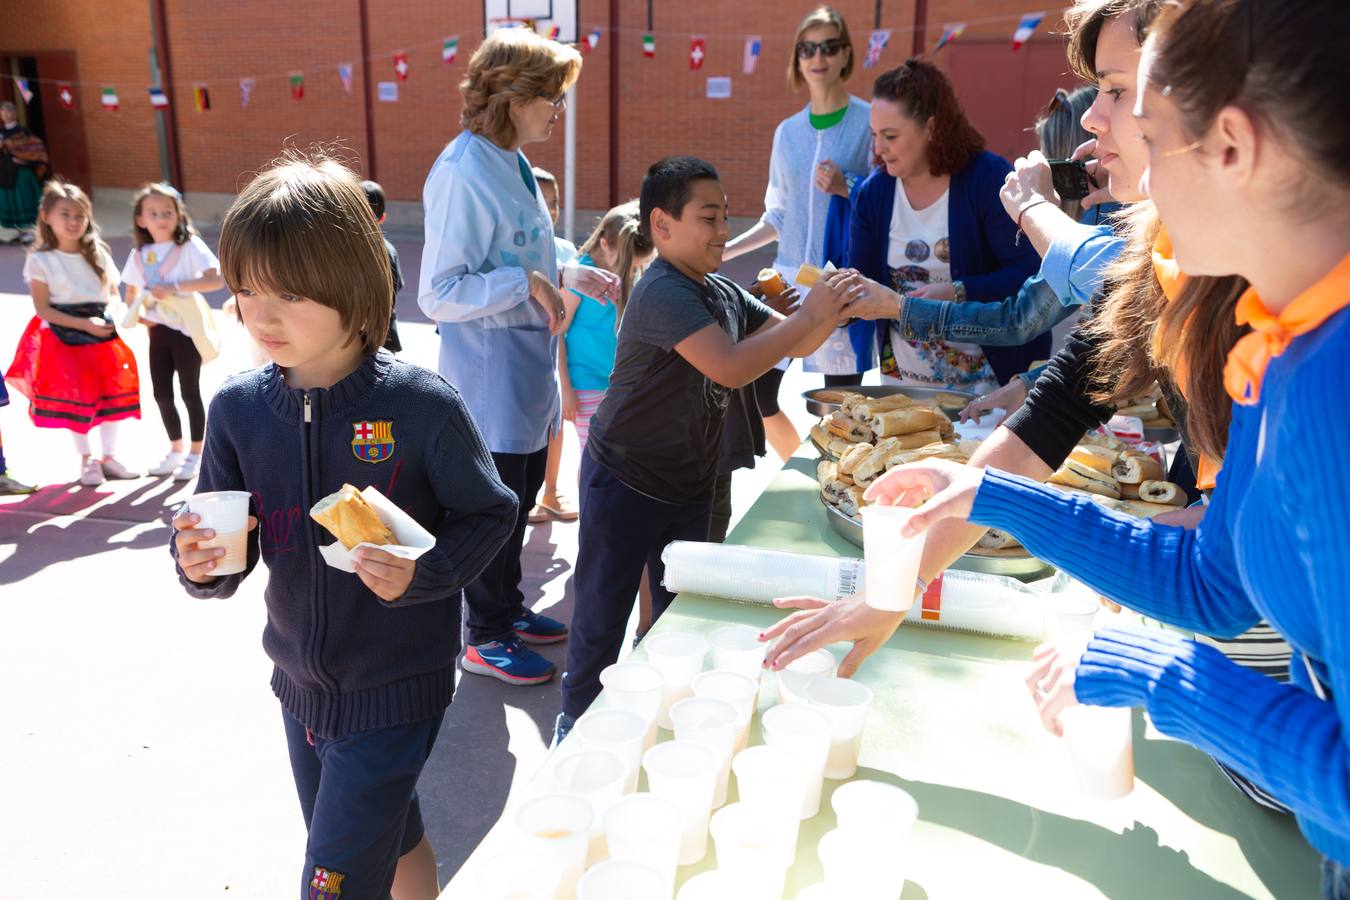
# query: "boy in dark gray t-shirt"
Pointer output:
{"type": "Point", "coordinates": [688, 338]}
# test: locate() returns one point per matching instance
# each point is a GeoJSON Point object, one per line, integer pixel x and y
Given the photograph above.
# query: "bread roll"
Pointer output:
{"type": "Point", "coordinates": [918, 439]}
{"type": "Point", "coordinates": [905, 421]}
{"type": "Point", "coordinates": [1129, 491]}
{"type": "Point", "coordinates": [1144, 509]}
{"type": "Point", "coordinates": [1075, 474]}
{"type": "Point", "coordinates": [850, 402]}
{"type": "Point", "coordinates": [852, 502]}
{"type": "Point", "coordinates": [874, 463]}
{"type": "Point", "coordinates": [854, 455]}
{"type": "Point", "coordinates": [1163, 492]}
{"type": "Point", "coordinates": [871, 406]}
{"type": "Point", "coordinates": [350, 519]}
{"type": "Point", "coordinates": [1136, 469]}
{"type": "Point", "coordinates": [825, 470]}
{"type": "Point", "coordinates": [1099, 458]}
{"type": "Point", "coordinates": [998, 540]}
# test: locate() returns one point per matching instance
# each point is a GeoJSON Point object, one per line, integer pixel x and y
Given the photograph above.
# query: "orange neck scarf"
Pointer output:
{"type": "Point", "coordinates": [1271, 335]}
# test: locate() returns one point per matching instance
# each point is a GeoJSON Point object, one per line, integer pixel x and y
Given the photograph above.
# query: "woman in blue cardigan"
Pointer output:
{"type": "Point", "coordinates": [944, 236]}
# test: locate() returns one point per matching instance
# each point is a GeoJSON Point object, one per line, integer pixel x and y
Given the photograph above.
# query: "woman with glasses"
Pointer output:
{"type": "Point", "coordinates": [819, 152]}
{"type": "Point", "coordinates": [491, 281]}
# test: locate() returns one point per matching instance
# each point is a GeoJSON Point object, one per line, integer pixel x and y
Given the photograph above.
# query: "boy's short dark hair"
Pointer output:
{"type": "Point", "coordinates": [668, 185]}
{"type": "Point", "coordinates": [304, 227]}
{"type": "Point", "coordinates": [375, 197]}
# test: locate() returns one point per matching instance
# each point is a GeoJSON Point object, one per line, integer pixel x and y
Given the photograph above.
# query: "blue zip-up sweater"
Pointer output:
{"type": "Point", "coordinates": [1272, 545]}
{"type": "Point", "coordinates": [345, 660]}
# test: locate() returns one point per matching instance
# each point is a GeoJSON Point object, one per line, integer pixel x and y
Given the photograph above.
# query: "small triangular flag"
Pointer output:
{"type": "Point", "coordinates": [553, 32]}
{"type": "Point", "coordinates": [450, 49]}
{"type": "Point", "coordinates": [648, 46]}
{"type": "Point", "coordinates": [297, 80]}
{"type": "Point", "coordinates": [698, 51]}
{"type": "Point", "coordinates": [345, 76]}
{"type": "Point", "coordinates": [949, 34]}
{"type": "Point", "coordinates": [158, 99]}
{"type": "Point", "coordinates": [202, 97]}
{"type": "Point", "coordinates": [752, 45]}
{"type": "Point", "coordinates": [109, 98]}
{"type": "Point", "coordinates": [246, 90]}
{"type": "Point", "coordinates": [65, 94]}
{"type": "Point", "coordinates": [876, 42]}
{"type": "Point", "coordinates": [401, 65]}
{"type": "Point", "coordinates": [1026, 28]}
{"type": "Point", "coordinates": [24, 90]}
{"type": "Point", "coordinates": [591, 41]}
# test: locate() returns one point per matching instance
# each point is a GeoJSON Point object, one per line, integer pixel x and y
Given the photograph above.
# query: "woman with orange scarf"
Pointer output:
{"type": "Point", "coordinates": [1230, 102]}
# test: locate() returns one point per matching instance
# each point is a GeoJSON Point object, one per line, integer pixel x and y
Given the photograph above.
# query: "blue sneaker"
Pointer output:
{"type": "Point", "coordinates": [561, 728]}
{"type": "Point", "coordinates": [533, 628]}
{"type": "Point", "coordinates": [508, 661]}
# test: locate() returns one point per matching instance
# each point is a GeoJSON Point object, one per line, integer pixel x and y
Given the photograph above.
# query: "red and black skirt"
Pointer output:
{"type": "Point", "coordinates": [74, 387]}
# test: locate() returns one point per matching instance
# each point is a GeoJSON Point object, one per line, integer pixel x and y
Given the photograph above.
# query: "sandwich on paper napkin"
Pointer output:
{"type": "Point", "coordinates": [367, 519]}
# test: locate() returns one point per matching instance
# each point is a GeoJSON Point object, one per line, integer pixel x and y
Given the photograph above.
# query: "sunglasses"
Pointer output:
{"type": "Point", "coordinates": [830, 47]}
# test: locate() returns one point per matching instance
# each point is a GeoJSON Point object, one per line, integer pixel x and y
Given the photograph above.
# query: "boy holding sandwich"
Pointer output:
{"type": "Point", "coordinates": [689, 338]}
{"type": "Point", "coordinates": [364, 662]}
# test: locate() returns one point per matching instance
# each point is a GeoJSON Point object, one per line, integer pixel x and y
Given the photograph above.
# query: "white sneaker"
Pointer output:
{"type": "Point", "coordinates": [91, 473]}
{"type": "Point", "coordinates": [192, 464]}
{"type": "Point", "coordinates": [114, 469]}
{"type": "Point", "coordinates": [166, 465]}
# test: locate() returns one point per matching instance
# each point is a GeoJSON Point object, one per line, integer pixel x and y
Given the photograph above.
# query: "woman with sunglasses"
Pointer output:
{"type": "Point", "coordinates": [819, 153]}
{"type": "Point", "coordinates": [490, 279]}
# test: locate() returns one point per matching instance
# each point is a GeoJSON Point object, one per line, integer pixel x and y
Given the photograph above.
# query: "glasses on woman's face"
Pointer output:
{"type": "Point", "coordinates": [830, 47]}
{"type": "Point", "coordinates": [556, 104]}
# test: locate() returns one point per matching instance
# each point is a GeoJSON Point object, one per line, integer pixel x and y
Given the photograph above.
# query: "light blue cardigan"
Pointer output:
{"type": "Point", "coordinates": [485, 231]}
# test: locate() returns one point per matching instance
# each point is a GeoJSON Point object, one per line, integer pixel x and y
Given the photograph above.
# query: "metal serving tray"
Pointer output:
{"type": "Point", "coordinates": [951, 402]}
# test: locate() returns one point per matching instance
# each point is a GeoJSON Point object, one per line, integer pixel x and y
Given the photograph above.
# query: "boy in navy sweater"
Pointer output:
{"type": "Point", "coordinates": [364, 662]}
{"type": "Point", "coordinates": [689, 338]}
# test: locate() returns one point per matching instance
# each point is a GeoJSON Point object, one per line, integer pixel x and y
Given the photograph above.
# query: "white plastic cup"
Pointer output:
{"type": "Point", "coordinates": [741, 691]}
{"type": "Point", "coordinates": [714, 724]}
{"type": "Point", "coordinates": [554, 831]}
{"type": "Point", "coordinates": [225, 513]}
{"type": "Point", "coordinates": [891, 560]}
{"type": "Point", "coordinates": [502, 877]}
{"type": "Point", "coordinates": [737, 648]}
{"type": "Point", "coordinates": [622, 880]}
{"type": "Point", "coordinates": [621, 732]}
{"type": "Point", "coordinates": [876, 808]}
{"type": "Point", "coordinates": [645, 828]}
{"type": "Point", "coordinates": [635, 686]}
{"type": "Point", "coordinates": [1102, 747]}
{"type": "Point", "coordinates": [679, 655]}
{"type": "Point", "coordinates": [1070, 615]}
{"type": "Point", "coordinates": [846, 702]}
{"type": "Point", "coordinates": [804, 731]}
{"type": "Point", "coordinates": [768, 777]}
{"type": "Point", "coordinates": [714, 885]}
{"type": "Point", "coordinates": [685, 773]}
{"type": "Point", "coordinates": [860, 868]}
{"type": "Point", "coordinates": [597, 776]}
{"type": "Point", "coordinates": [755, 842]}
{"type": "Point", "coordinates": [793, 679]}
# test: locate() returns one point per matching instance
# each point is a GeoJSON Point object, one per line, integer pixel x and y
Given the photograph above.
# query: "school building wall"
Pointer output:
{"type": "Point", "coordinates": [662, 104]}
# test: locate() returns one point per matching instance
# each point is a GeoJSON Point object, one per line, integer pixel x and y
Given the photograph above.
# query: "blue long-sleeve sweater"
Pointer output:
{"type": "Point", "coordinates": [1273, 545]}
{"type": "Point", "coordinates": [346, 660]}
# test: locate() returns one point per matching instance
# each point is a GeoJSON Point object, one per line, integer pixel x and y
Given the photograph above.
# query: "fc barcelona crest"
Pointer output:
{"type": "Point", "coordinates": [373, 442]}
{"type": "Point", "coordinates": [326, 884]}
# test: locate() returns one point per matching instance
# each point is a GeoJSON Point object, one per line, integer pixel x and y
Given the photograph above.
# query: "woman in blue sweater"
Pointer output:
{"type": "Point", "coordinates": [1234, 140]}
{"type": "Point", "coordinates": [930, 224]}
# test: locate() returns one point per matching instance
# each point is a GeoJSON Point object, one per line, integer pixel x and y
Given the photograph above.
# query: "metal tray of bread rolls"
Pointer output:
{"type": "Point", "coordinates": [823, 401]}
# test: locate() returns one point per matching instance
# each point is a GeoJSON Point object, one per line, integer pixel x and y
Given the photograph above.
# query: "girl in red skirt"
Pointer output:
{"type": "Point", "coordinates": [70, 364]}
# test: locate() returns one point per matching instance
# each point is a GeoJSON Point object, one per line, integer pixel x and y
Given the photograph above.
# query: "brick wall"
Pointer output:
{"type": "Point", "coordinates": [663, 104]}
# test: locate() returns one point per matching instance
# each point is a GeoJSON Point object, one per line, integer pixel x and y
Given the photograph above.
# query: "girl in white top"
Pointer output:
{"type": "Point", "coordinates": [169, 258]}
{"type": "Point", "coordinates": [70, 364]}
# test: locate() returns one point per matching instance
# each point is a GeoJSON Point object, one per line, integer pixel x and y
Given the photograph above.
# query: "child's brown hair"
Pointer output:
{"type": "Point", "coordinates": [182, 233]}
{"type": "Point", "coordinates": [92, 247]}
{"type": "Point", "coordinates": [621, 229]}
{"type": "Point", "coordinates": [304, 227]}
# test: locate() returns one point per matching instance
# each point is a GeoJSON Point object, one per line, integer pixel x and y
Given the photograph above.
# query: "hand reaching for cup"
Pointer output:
{"type": "Point", "coordinates": [941, 488]}
{"type": "Point", "coordinates": [600, 284]}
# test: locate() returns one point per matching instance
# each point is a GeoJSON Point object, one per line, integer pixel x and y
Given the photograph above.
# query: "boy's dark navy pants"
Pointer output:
{"type": "Point", "coordinates": [359, 798]}
{"type": "Point", "coordinates": [621, 531]}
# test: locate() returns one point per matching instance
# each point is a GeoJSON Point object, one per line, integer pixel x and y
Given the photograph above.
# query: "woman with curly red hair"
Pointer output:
{"type": "Point", "coordinates": [929, 224]}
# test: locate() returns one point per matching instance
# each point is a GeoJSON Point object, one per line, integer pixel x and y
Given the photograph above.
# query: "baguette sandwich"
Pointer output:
{"type": "Point", "coordinates": [350, 519]}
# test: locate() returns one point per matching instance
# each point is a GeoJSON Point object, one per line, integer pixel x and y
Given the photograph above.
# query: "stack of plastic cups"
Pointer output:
{"type": "Point", "coordinates": [737, 648]}
{"type": "Point", "coordinates": [739, 690]}
{"type": "Point", "coordinates": [554, 833]}
{"type": "Point", "coordinates": [714, 724]}
{"type": "Point", "coordinates": [757, 845]}
{"type": "Point", "coordinates": [616, 880]}
{"type": "Point", "coordinates": [679, 655]}
{"type": "Point", "coordinates": [803, 731]}
{"type": "Point", "coordinates": [635, 686]}
{"type": "Point", "coordinates": [621, 732]}
{"type": "Point", "coordinates": [846, 702]}
{"type": "Point", "coordinates": [865, 855]}
{"type": "Point", "coordinates": [685, 774]}
{"type": "Point", "coordinates": [598, 777]}
{"type": "Point", "coordinates": [793, 679]}
{"type": "Point", "coordinates": [646, 829]}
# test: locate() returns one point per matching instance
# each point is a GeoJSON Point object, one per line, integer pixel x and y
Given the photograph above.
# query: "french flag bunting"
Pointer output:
{"type": "Point", "coordinates": [1026, 28]}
